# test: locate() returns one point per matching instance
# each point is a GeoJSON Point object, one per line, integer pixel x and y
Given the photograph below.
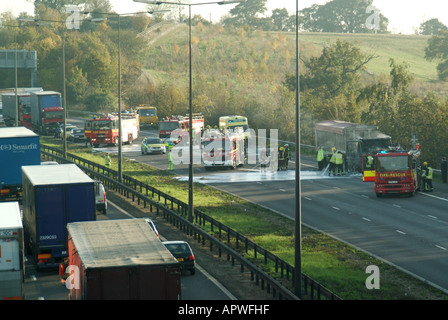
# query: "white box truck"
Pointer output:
{"type": "Point", "coordinates": [11, 252]}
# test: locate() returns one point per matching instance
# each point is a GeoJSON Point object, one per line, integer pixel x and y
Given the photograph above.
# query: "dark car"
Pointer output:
{"type": "Point", "coordinates": [76, 135]}
{"type": "Point", "coordinates": [183, 253]}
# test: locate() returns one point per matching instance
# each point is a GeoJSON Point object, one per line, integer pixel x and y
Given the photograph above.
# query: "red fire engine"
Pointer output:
{"type": "Point", "coordinates": [397, 171]}
{"type": "Point", "coordinates": [104, 130]}
{"type": "Point", "coordinates": [168, 125]}
{"type": "Point", "coordinates": [223, 149]}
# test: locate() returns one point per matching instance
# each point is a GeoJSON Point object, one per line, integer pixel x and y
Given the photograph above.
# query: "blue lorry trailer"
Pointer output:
{"type": "Point", "coordinates": [52, 197]}
{"type": "Point", "coordinates": [19, 147]}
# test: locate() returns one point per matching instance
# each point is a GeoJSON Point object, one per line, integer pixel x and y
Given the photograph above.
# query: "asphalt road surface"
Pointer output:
{"type": "Point", "coordinates": [408, 232]}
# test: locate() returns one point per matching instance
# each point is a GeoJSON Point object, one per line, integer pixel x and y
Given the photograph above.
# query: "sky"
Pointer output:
{"type": "Point", "coordinates": [405, 16]}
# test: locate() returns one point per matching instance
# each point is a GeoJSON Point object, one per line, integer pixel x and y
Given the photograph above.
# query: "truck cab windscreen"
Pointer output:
{"type": "Point", "coordinates": [54, 115]}
{"type": "Point", "coordinates": [168, 126]}
{"type": "Point", "coordinates": [148, 113]}
{"type": "Point", "coordinates": [392, 163]}
{"type": "Point", "coordinates": [102, 125]}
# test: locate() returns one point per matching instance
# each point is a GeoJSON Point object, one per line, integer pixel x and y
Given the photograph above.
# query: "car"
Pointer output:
{"type": "Point", "coordinates": [100, 197]}
{"type": "Point", "coordinates": [76, 135]}
{"type": "Point", "coordinates": [170, 142]}
{"type": "Point", "coordinates": [48, 163]}
{"type": "Point", "coordinates": [153, 145]}
{"type": "Point", "coordinates": [181, 250]}
{"type": "Point", "coordinates": [153, 226]}
{"type": "Point", "coordinates": [68, 128]}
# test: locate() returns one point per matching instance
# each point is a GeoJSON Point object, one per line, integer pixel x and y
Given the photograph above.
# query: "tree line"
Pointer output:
{"type": "Point", "coordinates": [247, 71]}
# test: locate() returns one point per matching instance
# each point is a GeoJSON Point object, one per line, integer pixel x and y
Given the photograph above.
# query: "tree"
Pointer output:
{"type": "Point", "coordinates": [343, 16]}
{"type": "Point", "coordinates": [432, 27]}
{"type": "Point", "coordinates": [437, 49]}
{"type": "Point", "coordinates": [280, 19]}
{"type": "Point", "coordinates": [58, 5]}
{"type": "Point", "coordinates": [336, 70]}
{"type": "Point", "coordinates": [245, 13]}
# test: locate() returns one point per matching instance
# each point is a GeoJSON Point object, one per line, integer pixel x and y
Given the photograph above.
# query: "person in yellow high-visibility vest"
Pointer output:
{"type": "Point", "coordinates": [427, 172]}
{"type": "Point", "coordinates": [321, 158]}
{"type": "Point", "coordinates": [107, 160]}
{"type": "Point", "coordinates": [339, 163]}
{"type": "Point", "coordinates": [170, 160]}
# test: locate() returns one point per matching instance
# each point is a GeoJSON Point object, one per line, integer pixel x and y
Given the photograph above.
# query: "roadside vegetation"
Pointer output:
{"type": "Point", "coordinates": [246, 66]}
{"type": "Point", "coordinates": [335, 265]}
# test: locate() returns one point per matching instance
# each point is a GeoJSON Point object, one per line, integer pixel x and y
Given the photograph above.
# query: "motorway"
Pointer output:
{"type": "Point", "coordinates": [407, 232]}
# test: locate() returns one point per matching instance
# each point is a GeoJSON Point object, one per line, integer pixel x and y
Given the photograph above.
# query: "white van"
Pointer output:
{"type": "Point", "coordinates": [100, 197]}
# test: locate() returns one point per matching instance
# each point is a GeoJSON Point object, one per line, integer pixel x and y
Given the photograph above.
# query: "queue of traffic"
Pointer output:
{"type": "Point", "coordinates": [53, 198]}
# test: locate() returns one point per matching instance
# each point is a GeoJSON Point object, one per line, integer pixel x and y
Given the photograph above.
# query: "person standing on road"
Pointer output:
{"type": "Point", "coordinates": [273, 159]}
{"type": "Point", "coordinates": [332, 162]}
{"type": "Point", "coordinates": [170, 161]}
{"type": "Point", "coordinates": [321, 158]}
{"type": "Point", "coordinates": [264, 160]}
{"type": "Point", "coordinates": [287, 155]}
{"type": "Point", "coordinates": [427, 177]}
{"type": "Point", "coordinates": [443, 169]}
{"type": "Point", "coordinates": [107, 160]}
{"type": "Point", "coordinates": [339, 163]}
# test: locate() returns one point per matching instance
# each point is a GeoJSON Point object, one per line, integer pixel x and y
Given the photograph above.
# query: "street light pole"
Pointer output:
{"type": "Point", "coordinates": [120, 132]}
{"type": "Point", "coordinates": [190, 167]}
{"type": "Point", "coordinates": [16, 83]}
{"type": "Point", "coordinates": [190, 108]}
{"type": "Point", "coordinates": [298, 218]}
{"type": "Point", "coordinates": [64, 97]}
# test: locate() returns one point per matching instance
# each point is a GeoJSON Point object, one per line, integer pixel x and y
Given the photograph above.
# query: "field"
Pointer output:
{"type": "Point", "coordinates": [241, 57]}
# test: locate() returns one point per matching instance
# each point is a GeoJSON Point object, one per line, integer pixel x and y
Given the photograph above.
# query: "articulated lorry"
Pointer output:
{"type": "Point", "coordinates": [120, 260]}
{"type": "Point", "coordinates": [351, 139]}
{"type": "Point", "coordinates": [46, 111]}
{"type": "Point", "coordinates": [19, 147]}
{"type": "Point", "coordinates": [52, 197]}
{"type": "Point", "coordinates": [23, 109]}
{"type": "Point", "coordinates": [12, 271]}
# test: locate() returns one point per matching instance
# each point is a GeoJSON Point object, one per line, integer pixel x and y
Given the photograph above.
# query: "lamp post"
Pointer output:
{"type": "Point", "coordinates": [64, 99]}
{"type": "Point", "coordinates": [16, 122]}
{"type": "Point", "coordinates": [120, 153]}
{"type": "Point", "coordinates": [64, 86]}
{"type": "Point", "coordinates": [190, 109]}
{"type": "Point", "coordinates": [298, 218]}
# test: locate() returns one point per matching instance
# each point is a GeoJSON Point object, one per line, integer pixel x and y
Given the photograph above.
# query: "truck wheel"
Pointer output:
{"type": "Point", "coordinates": [379, 195]}
{"type": "Point", "coordinates": [192, 271]}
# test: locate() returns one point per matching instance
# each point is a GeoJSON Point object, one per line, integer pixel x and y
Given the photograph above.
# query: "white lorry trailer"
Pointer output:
{"type": "Point", "coordinates": [11, 252]}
